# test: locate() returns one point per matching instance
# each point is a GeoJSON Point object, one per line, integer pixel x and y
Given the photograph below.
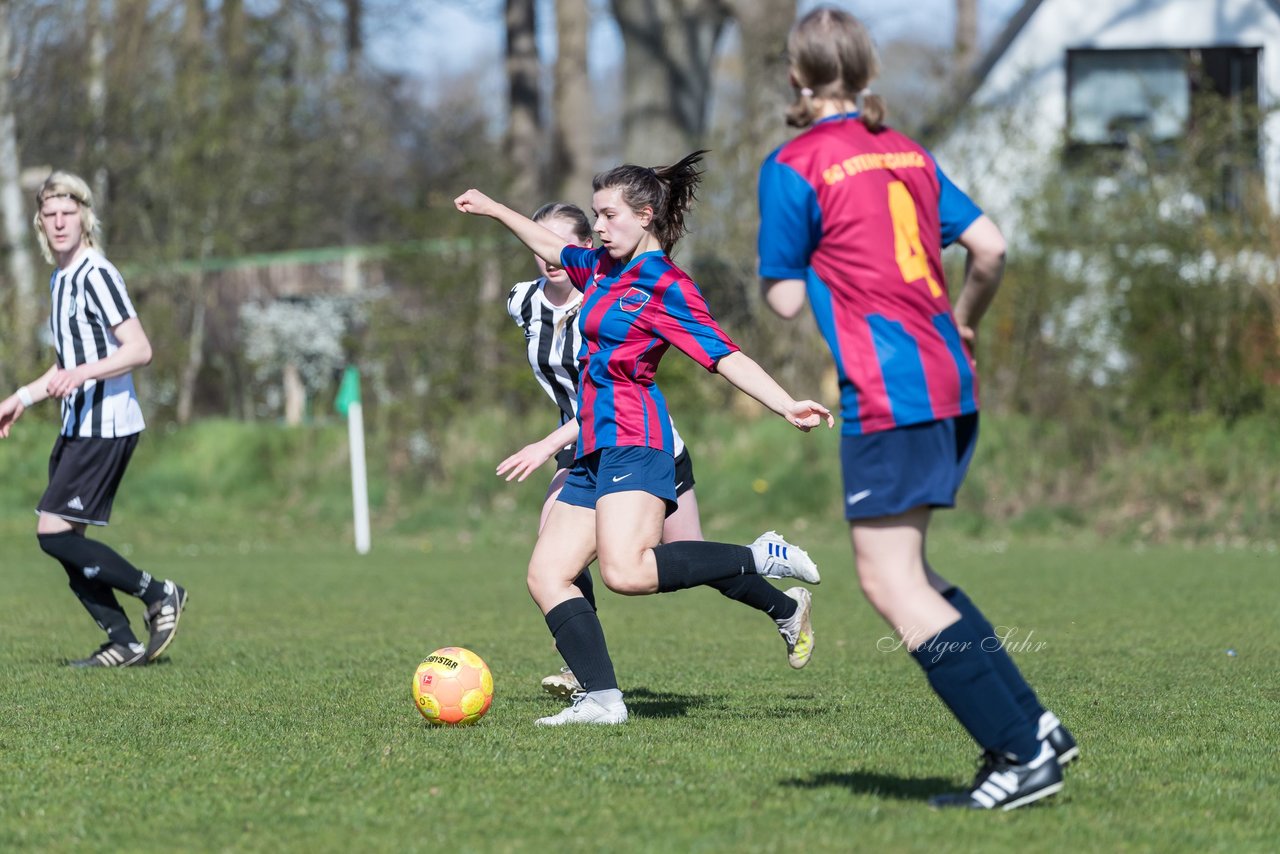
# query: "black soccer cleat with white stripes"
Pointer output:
{"type": "Point", "coordinates": [1050, 729]}
{"type": "Point", "coordinates": [162, 619]}
{"type": "Point", "coordinates": [113, 655]}
{"type": "Point", "coordinates": [1003, 784]}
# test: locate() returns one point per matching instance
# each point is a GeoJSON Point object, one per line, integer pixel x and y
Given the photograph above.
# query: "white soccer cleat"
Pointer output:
{"type": "Point", "coordinates": [797, 631]}
{"type": "Point", "coordinates": [563, 684]}
{"type": "Point", "coordinates": [776, 558]}
{"type": "Point", "coordinates": [587, 710]}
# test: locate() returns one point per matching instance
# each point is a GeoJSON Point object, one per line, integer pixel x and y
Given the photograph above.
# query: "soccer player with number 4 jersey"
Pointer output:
{"type": "Point", "coordinates": [99, 341]}
{"type": "Point", "coordinates": [855, 215]}
{"type": "Point", "coordinates": [636, 304]}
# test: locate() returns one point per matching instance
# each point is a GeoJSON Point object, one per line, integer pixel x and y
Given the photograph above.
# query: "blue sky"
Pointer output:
{"type": "Point", "coordinates": [462, 38]}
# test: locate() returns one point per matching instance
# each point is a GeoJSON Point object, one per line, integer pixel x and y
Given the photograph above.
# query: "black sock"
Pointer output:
{"type": "Point", "coordinates": [100, 601]}
{"type": "Point", "coordinates": [1000, 659]}
{"type": "Point", "coordinates": [583, 583]}
{"type": "Point", "coordinates": [753, 590]}
{"type": "Point", "coordinates": [580, 640]}
{"type": "Point", "coordinates": [962, 675]}
{"type": "Point", "coordinates": [99, 562]}
{"type": "Point", "coordinates": [690, 563]}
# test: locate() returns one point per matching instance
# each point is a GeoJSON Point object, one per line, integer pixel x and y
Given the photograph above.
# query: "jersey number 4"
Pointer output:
{"type": "Point", "coordinates": [912, 262]}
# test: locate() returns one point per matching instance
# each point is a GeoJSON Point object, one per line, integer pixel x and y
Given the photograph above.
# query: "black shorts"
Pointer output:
{"type": "Point", "coordinates": [684, 467]}
{"type": "Point", "coordinates": [84, 475]}
{"type": "Point", "coordinates": [684, 472]}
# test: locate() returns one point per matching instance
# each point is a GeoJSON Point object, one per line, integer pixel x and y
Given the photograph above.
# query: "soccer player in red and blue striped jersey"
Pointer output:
{"type": "Point", "coordinates": [546, 309]}
{"type": "Point", "coordinates": [630, 316]}
{"type": "Point", "coordinates": [636, 304]}
{"type": "Point", "coordinates": [855, 215]}
{"type": "Point", "coordinates": [842, 214]}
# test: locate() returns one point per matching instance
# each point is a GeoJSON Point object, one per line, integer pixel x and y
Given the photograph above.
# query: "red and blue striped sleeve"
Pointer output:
{"type": "Point", "coordinates": [956, 211]}
{"type": "Point", "coordinates": [790, 220]}
{"type": "Point", "coordinates": [686, 323]}
{"type": "Point", "coordinates": [580, 263]}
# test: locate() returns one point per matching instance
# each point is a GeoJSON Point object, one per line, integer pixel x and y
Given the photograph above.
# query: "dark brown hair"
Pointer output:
{"type": "Point", "coordinates": [833, 57]}
{"type": "Point", "coordinates": [669, 191]}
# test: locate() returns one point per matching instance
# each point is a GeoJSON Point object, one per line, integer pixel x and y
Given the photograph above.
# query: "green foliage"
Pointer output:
{"type": "Point", "coordinates": [1147, 288]}
{"type": "Point", "coordinates": [1183, 479]}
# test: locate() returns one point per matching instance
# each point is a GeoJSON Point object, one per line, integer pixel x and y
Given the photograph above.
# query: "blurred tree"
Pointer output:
{"type": "Point", "coordinates": [352, 134]}
{"type": "Point", "coordinates": [763, 28]}
{"type": "Point", "coordinates": [97, 95]}
{"type": "Point", "coordinates": [354, 33]}
{"type": "Point", "coordinates": [966, 37]}
{"type": "Point", "coordinates": [667, 77]}
{"type": "Point", "coordinates": [22, 323]}
{"type": "Point", "coordinates": [572, 164]}
{"type": "Point", "coordinates": [298, 342]}
{"type": "Point", "coordinates": [191, 42]}
{"type": "Point", "coordinates": [524, 142]}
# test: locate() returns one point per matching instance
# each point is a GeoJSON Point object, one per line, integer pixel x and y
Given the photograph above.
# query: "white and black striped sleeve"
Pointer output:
{"type": "Point", "coordinates": [105, 288]}
{"type": "Point", "coordinates": [520, 303]}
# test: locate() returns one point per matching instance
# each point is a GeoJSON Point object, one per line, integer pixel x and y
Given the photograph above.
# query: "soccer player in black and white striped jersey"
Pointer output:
{"type": "Point", "coordinates": [546, 309]}
{"type": "Point", "coordinates": [99, 341]}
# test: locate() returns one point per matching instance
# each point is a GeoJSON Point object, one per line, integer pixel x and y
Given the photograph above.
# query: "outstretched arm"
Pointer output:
{"type": "Point", "coordinates": [741, 370]}
{"type": "Point", "coordinates": [523, 462]}
{"type": "Point", "coordinates": [544, 242]}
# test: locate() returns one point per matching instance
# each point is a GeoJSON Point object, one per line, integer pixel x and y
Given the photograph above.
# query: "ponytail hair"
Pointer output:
{"type": "Point", "coordinates": [669, 191]}
{"type": "Point", "coordinates": [872, 111]}
{"type": "Point", "coordinates": [833, 58]}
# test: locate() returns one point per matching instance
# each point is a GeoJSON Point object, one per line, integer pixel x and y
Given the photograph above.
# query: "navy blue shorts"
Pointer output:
{"type": "Point", "coordinates": [684, 467]}
{"type": "Point", "coordinates": [625, 469]}
{"type": "Point", "coordinates": [891, 471]}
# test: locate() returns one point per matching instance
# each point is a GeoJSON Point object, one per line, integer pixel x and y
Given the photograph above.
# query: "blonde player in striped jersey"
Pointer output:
{"type": "Point", "coordinates": [546, 310]}
{"type": "Point", "coordinates": [99, 341]}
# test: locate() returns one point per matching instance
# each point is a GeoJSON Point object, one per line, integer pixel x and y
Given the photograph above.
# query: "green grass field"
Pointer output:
{"type": "Point", "coordinates": [281, 719]}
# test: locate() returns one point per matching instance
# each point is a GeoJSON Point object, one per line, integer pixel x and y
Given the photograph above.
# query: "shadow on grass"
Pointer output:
{"type": "Point", "coordinates": [881, 785]}
{"type": "Point", "coordinates": [65, 662]}
{"type": "Point", "coordinates": [643, 703]}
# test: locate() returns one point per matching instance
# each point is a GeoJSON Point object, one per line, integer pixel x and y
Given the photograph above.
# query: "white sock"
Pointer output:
{"type": "Point", "coordinates": [607, 696]}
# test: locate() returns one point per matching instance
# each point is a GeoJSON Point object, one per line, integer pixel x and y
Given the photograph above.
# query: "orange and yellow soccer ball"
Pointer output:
{"type": "Point", "coordinates": [453, 687]}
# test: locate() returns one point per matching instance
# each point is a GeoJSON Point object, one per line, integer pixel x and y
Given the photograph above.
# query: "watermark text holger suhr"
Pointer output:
{"type": "Point", "coordinates": [1005, 638]}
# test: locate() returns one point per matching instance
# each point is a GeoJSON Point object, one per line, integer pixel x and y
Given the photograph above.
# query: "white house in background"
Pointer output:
{"type": "Point", "coordinates": [1069, 75]}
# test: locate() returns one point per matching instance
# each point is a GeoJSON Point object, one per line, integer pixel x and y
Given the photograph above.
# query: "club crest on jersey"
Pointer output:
{"type": "Point", "coordinates": [633, 300]}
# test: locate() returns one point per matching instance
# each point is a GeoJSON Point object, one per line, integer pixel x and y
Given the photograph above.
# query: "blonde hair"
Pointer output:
{"type": "Point", "coordinates": [67, 185]}
{"type": "Point", "coordinates": [833, 57]}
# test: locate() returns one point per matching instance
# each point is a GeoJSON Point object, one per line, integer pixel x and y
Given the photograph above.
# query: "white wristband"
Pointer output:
{"type": "Point", "coordinates": [24, 395]}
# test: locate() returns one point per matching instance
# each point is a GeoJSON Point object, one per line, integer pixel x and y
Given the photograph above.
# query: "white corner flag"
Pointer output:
{"type": "Point", "coordinates": [348, 404]}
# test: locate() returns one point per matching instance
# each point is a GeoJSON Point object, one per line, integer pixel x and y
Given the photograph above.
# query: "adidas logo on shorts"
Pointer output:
{"type": "Point", "coordinates": [75, 504]}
